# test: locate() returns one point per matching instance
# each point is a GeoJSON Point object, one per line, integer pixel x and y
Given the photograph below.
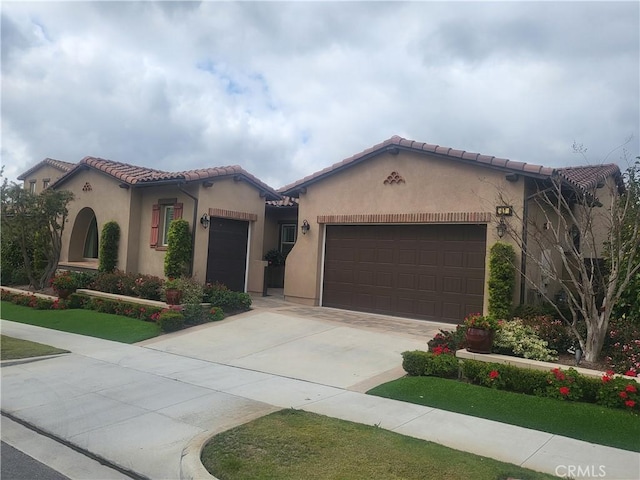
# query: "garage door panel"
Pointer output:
{"type": "Point", "coordinates": [420, 271]}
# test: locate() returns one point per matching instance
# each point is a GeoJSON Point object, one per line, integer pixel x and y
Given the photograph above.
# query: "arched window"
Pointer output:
{"type": "Point", "coordinates": [91, 241]}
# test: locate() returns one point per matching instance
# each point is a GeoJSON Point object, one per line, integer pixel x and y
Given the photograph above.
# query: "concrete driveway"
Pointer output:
{"type": "Point", "coordinates": [331, 353]}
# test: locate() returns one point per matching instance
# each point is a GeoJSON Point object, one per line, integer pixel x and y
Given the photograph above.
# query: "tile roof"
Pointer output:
{"type": "Point", "coordinates": [590, 176]}
{"type": "Point", "coordinates": [137, 176]}
{"type": "Point", "coordinates": [59, 164]}
{"type": "Point", "coordinates": [284, 202]}
{"type": "Point", "coordinates": [582, 177]}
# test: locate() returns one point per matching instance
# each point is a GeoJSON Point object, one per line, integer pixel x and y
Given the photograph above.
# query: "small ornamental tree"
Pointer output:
{"type": "Point", "coordinates": [178, 256]}
{"type": "Point", "coordinates": [36, 224]}
{"type": "Point", "coordinates": [109, 241]}
{"type": "Point", "coordinates": [502, 277]}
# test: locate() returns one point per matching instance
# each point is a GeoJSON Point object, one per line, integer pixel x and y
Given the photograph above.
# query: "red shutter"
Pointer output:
{"type": "Point", "coordinates": [177, 211]}
{"type": "Point", "coordinates": [155, 222]}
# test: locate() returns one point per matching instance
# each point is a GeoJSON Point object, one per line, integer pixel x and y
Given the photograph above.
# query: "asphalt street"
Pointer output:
{"type": "Point", "coordinates": [15, 465]}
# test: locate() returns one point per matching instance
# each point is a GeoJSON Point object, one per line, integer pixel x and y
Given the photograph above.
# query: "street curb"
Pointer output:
{"type": "Point", "coordinates": [191, 467]}
{"type": "Point", "coordinates": [20, 361]}
{"type": "Point", "coordinates": [72, 446]}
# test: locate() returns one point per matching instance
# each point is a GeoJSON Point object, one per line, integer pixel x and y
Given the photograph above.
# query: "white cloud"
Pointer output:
{"type": "Point", "coordinates": [285, 89]}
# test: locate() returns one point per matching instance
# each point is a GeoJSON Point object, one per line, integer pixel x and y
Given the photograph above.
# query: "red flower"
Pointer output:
{"type": "Point", "coordinates": [630, 403]}
{"type": "Point", "coordinates": [630, 373]}
{"type": "Point", "coordinates": [623, 395]}
{"type": "Point", "coordinates": [494, 374]}
{"type": "Point", "coordinates": [606, 378]}
{"type": "Point", "coordinates": [610, 373]}
{"type": "Point", "coordinates": [558, 373]}
{"type": "Point", "coordinates": [630, 388]}
{"type": "Point", "coordinates": [564, 391]}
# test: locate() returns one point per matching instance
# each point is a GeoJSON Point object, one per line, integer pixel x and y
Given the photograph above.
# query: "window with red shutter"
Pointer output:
{"type": "Point", "coordinates": [155, 224]}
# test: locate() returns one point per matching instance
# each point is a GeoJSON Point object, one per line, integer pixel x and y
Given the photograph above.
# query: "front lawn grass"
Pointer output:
{"type": "Point", "coordinates": [292, 444]}
{"type": "Point", "coordinates": [582, 421]}
{"type": "Point", "coordinates": [14, 348]}
{"type": "Point", "coordinates": [83, 322]}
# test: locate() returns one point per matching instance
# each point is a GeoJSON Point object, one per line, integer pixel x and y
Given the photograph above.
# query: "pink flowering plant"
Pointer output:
{"type": "Point", "coordinates": [622, 347]}
{"type": "Point", "coordinates": [63, 281]}
{"type": "Point", "coordinates": [483, 322]}
{"type": "Point", "coordinates": [563, 384]}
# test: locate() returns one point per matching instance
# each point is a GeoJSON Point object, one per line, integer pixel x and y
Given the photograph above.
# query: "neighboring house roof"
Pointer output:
{"type": "Point", "coordinates": [284, 202]}
{"type": "Point", "coordinates": [133, 175]}
{"type": "Point", "coordinates": [582, 177]}
{"type": "Point", "coordinates": [592, 176]}
{"type": "Point", "coordinates": [59, 164]}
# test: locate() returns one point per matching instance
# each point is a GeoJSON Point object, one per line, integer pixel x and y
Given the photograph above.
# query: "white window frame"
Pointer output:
{"type": "Point", "coordinates": [32, 186]}
{"type": "Point", "coordinates": [165, 210]}
{"type": "Point", "coordinates": [293, 228]}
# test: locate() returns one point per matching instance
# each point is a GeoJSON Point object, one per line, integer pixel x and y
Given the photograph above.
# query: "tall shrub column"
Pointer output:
{"type": "Point", "coordinates": [502, 278]}
{"type": "Point", "coordinates": [109, 242]}
{"type": "Point", "coordinates": [178, 254]}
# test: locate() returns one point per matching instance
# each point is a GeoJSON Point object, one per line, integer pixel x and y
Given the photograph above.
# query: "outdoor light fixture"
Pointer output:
{"type": "Point", "coordinates": [204, 220]}
{"type": "Point", "coordinates": [305, 227]}
{"type": "Point", "coordinates": [502, 227]}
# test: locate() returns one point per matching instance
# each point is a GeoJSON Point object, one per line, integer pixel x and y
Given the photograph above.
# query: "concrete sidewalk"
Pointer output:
{"type": "Point", "coordinates": [148, 411]}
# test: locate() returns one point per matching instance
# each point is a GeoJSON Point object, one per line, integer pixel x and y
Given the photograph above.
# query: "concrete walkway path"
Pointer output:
{"type": "Point", "coordinates": [147, 408]}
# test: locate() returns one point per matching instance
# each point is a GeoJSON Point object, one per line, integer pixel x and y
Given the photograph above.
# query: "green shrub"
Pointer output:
{"type": "Point", "coordinates": [515, 338]}
{"type": "Point", "coordinates": [557, 335]}
{"type": "Point", "coordinates": [109, 240]}
{"type": "Point", "coordinates": [452, 340]}
{"type": "Point", "coordinates": [178, 256]}
{"type": "Point", "coordinates": [78, 300]}
{"type": "Point", "coordinates": [219, 295]}
{"type": "Point", "coordinates": [171, 321]}
{"type": "Point", "coordinates": [502, 278]}
{"type": "Point", "coordinates": [618, 392]}
{"type": "Point", "coordinates": [147, 286]}
{"type": "Point", "coordinates": [43, 304]}
{"type": "Point", "coordinates": [419, 363]}
{"type": "Point", "coordinates": [214, 314]}
{"type": "Point", "coordinates": [622, 347]}
{"type": "Point", "coordinates": [509, 377]}
{"type": "Point", "coordinates": [563, 385]}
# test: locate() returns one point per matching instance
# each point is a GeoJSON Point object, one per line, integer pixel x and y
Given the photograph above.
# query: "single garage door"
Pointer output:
{"type": "Point", "coordinates": [432, 272]}
{"type": "Point", "coordinates": [227, 255]}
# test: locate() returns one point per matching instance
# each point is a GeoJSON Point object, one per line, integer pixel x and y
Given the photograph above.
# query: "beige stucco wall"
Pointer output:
{"type": "Point", "coordinates": [237, 196]}
{"type": "Point", "coordinates": [430, 185]}
{"type": "Point", "coordinates": [108, 202]}
{"type": "Point", "coordinates": [132, 209]}
{"type": "Point", "coordinates": [45, 171]}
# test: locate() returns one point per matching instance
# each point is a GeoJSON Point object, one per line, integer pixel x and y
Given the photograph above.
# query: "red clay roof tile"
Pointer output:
{"type": "Point", "coordinates": [573, 175]}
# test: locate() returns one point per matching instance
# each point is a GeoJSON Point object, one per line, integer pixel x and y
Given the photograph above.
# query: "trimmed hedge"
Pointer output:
{"type": "Point", "coordinates": [419, 363]}
{"type": "Point", "coordinates": [109, 242]}
{"type": "Point", "coordinates": [171, 321]}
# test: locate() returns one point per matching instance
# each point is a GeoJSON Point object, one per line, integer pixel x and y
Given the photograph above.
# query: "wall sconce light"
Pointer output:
{"type": "Point", "coordinates": [305, 227]}
{"type": "Point", "coordinates": [204, 221]}
{"type": "Point", "coordinates": [502, 227]}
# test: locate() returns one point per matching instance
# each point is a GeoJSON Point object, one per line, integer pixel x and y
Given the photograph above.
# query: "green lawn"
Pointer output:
{"type": "Point", "coordinates": [582, 421]}
{"type": "Point", "coordinates": [291, 444]}
{"type": "Point", "coordinates": [83, 322]}
{"type": "Point", "coordinates": [14, 348]}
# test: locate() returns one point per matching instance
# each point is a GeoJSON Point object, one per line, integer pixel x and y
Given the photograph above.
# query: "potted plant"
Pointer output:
{"type": "Point", "coordinates": [172, 288]}
{"type": "Point", "coordinates": [64, 284]}
{"type": "Point", "coordinates": [480, 332]}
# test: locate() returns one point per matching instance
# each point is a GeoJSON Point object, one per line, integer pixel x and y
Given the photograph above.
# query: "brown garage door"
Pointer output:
{"type": "Point", "coordinates": [227, 255]}
{"type": "Point", "coordinates": [433, 272]}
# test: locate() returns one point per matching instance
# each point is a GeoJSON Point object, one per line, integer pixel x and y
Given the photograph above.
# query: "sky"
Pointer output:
{"type": "Point", "coordinates": [285, 89]}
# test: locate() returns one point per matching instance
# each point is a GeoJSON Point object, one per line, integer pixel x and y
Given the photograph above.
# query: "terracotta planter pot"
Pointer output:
{"type": "Point", "coordinates": [479, 340]}
{"type": "Point", "coordinates": [173, 296]}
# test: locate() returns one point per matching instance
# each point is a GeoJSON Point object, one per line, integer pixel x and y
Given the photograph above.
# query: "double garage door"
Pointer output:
{"type": "Point", "coordinates": [432, 272]}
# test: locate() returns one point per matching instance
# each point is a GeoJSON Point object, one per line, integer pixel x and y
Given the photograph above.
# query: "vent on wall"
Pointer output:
{"type": "Point", "coordinates": [394, 177]}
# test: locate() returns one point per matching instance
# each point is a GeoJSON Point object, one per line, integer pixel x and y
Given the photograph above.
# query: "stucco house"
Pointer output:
{"type": "Point", "coordinates": [403, 228]}
{"type": "Point", "coordinates": [44, 173]}
{"type": "Point", "coordinates": [225, 207]}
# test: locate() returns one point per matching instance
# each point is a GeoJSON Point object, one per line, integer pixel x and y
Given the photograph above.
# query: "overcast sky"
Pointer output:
{"type": "Point", "coordinates": [285, 89]}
